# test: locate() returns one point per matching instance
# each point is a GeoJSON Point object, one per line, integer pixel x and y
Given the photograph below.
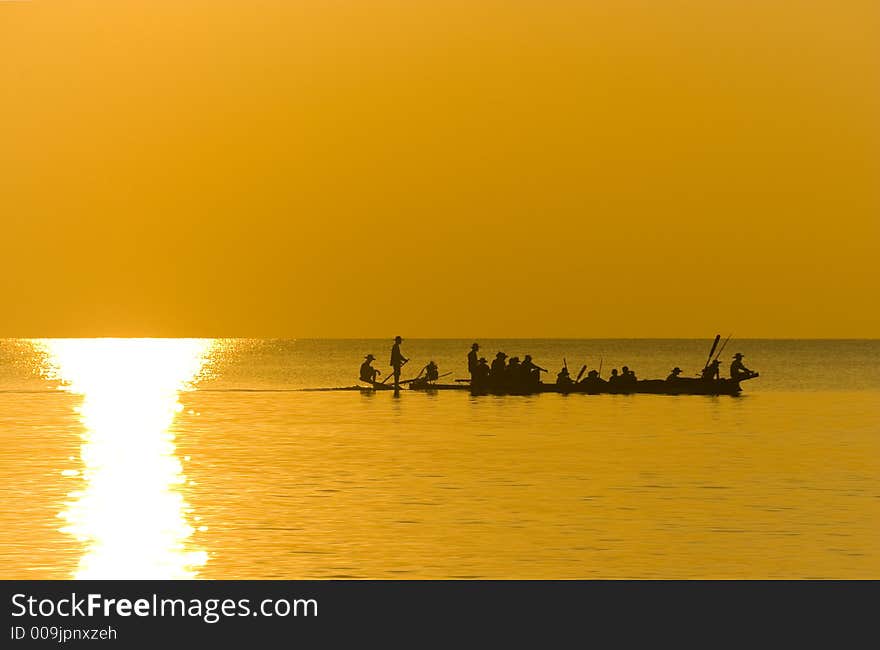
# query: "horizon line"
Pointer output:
{"type": "Point", "coordinates": [449, 338]}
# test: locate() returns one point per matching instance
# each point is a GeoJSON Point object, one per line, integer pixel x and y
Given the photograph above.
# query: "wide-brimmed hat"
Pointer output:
{"type": "Point", "coordinates": [475, 346]}
{"type": "Point", "coordinates": [397, 338]}
{"type": "Point", "coordinates": [500, 355]}
{"type": "Point", "coordinates": [370, 357]}
{"type": "Point", "coordinates": [738, 355]}
{"type": "Point", "coordinates": [482, 360]}
{"type": "Point", "coordinates": [676, 370]}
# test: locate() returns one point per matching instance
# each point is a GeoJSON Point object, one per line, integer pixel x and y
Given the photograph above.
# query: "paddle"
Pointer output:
{"type": "Point", "coordinates": [723, 345]}
{"type": "Point", "coordinates": [445, 374]}
{"type": "Point", "coordinates": [600, 366]}
{"type": "Point", "coordinates": [391, 374]}
{"type": "Point", "coordinates": [712, 351]}
{"type": "Point", "coordinates": [581, 373]}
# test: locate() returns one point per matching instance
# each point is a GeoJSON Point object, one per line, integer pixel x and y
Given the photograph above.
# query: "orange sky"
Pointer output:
{"type": "Point", "coordinates": [440, 168]}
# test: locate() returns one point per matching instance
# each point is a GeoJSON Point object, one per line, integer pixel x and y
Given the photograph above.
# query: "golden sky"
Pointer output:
{"type": "Point", "coordinates": [440, 168]}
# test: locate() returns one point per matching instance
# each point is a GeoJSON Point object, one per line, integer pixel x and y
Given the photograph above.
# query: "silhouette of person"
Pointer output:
{"type": "Point", "coordinates": [531, 371]}
{"type": "Point", "coordinates": [481, 372]}
{"type": "Point", "coordinates": [614, 378]}
{"type": "Point", "coordinates": [368, 372]}
{"type": "Point", "coordinates": [563, 378]}
{"type": "Point", "coordinates": [513, 373]}
{"type": "Point", "coordinates": [712, 371]}
{"type": "Point", "coordinates": [472, 359]}
{"type": "Point", "coordinates": [397, 360]}
{"type": "Point", "coordinates": [674, 374]}
{"type": "Point", "coordinates": [737, 368]}
{"type": "Point", "coordinates": [498, 366]}
{"type": "Point", "coordinates": [432, 372]}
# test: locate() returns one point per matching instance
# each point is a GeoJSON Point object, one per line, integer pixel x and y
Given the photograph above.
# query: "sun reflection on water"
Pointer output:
{"type": "Point", "coordinates": [130, 512]}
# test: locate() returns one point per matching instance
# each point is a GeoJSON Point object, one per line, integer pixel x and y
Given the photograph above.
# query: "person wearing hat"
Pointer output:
{"type": "Point", "coordinates": [712, 371]}
{"type": "Point", "coordinates": [481, 372]}
{"type": "Point", "coordinates": [498, 366]}
{"type": "Point", "coordinates": [513, 374]}
{"type": "Point", "coordinates": [472, 359]}
{"type": "Point", "coordinates": [397, 360]}
{"type": "Point", "coordinates": [368, 372]}
{"type": "Point", "coordinates": [674, 374]}
{"type": "Point", "coordinates": [738, 370]}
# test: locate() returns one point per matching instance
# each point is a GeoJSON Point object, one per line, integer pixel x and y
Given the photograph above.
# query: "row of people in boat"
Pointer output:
{"type": "Point", "coordinates": [625, 376]}
{"type": "Point", "coordinates": [515, 372]}
{"type": "Point", "coordinates": [502, 370]}
{"type": "Point", "coordinates": [529, 372]}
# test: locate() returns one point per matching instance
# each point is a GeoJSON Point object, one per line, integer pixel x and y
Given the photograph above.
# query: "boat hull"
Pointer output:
{"type": "Point", "coordinates": [684, 386]}
{"type": "Point", "coordinates": [680, 386]}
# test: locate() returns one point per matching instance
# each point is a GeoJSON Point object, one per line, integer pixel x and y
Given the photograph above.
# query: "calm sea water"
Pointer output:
{"type": "Point", "coordinates": [194, 458]}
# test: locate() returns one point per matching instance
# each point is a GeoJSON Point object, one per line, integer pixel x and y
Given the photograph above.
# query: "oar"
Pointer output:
{"type": "Point", "coordinates": [600, 366]}
{"type": "Point", "coordinates": [391, 374]}
{"type": "Point", "coordinates": [712, 351]}
{"type": "Point", "coordinates": [581, 373]}
{"type": "Point", "coordinates": [407, 381]}
{"type": "Point", "coordinates": [723, 345]}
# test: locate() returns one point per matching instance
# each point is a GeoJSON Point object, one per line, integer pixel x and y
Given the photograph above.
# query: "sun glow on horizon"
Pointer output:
{"type": "Point", "coordinates": [130, 512]}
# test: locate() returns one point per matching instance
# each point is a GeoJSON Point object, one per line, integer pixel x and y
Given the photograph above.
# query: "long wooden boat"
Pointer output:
{"type": "Point", "coordinates": [680, 386]}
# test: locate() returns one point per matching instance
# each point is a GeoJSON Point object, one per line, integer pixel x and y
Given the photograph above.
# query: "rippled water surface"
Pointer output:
{"type": "Point", "coordinates": [200, 458]}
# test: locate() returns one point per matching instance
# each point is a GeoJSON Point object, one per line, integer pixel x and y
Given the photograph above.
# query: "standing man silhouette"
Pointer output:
{"type": "Point", "coordinates": [473, 361]}
{"type": "Point", "coordinates": [397, 360]}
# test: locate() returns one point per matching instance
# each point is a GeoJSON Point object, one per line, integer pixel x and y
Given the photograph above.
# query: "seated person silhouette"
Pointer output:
{"type": "Point", "coordinates": [368, 372]}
